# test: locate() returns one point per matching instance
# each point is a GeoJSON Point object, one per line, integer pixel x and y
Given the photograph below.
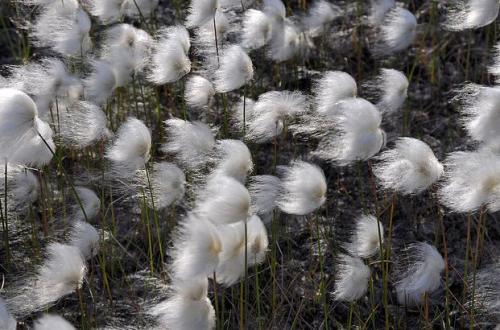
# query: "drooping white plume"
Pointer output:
{"type": "Point", "coordinates": [367, 237]}
{"type": "Point", "coordinates": [264, 192]}
{"type": "Point", "coordinates": [131, 149]}
{"type": "Point", "coordinates": [22, 188]}
{"type": "Point", "coordinates": [320, 14]}
{"type": "Point", "coordinates": [166, 183]}
{"type": "Point", "coordinates": [419, 273]}
{"type": "Point", "coordinates": [392, 86]}
{"type": "Point", "coordinates": [223, 200]}
{"type": "Point", "coordinates": [235, 70]}
{"type": "Point", "coordinates": [90, 203]}
{"type": "Point", "coordinates": [351, 278]}
{"type": "Point", "coordinates": [84, 237]}
{"type": "Point", "coordinates": [471, 14]}
{"type": "Point", "coordinates": [189, 142]}
{"type": "Point", "coordinates": [188, 306]}
{"type": "Point", "coordinates": [378, 9]}
{"type": "Point", "coordinates": [233, 159]}
{"type": "Point", "coordinates": [331, 88]}
{"type": "Point", "coordinates": [471, 180]}
{"type": "Point", "coordinates": [397, 31]}
{"type": "Point", "coordinates": [358, 135]}
{"type": "Point", "coordinates": [409, 168]}
{"type": "Point", "coordinates": [199, 92]}
{"type": "Point", "coordinates": [200, 12]}
{"type": "Point", "coordinates": [304, 188]}
{"type": "Point", "coordinates": [257, 29]}
{"type": "Point", "coordinates": [196, 248]}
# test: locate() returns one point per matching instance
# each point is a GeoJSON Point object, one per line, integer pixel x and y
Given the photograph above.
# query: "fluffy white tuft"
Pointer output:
{"type": "Point", "coordinates": [351, 278]}
{"type": "Point", "coordinates": [86, 238]}
{"type": "Point", "coordinates": [304, 188]}
{"type": "Point", "coordinates": [196, 248]}
{"type": "Point", "coordinates": [101, 82]}
{"type": "Point", "coordinates": [285, 42]}
{"type": "Point", "coordinates": [393, 87]}
{"type": "Point", "coordinates": [170, 61]}
{"type": "Point", "coordinates": [131, 149]}
{"type": "Point", "coordinates": [264, 191]}
{"type": "Point", "coordinates": [52, 322]}
{"type": "Point", "coordinates": [471, 14]}
{"type": "Point", "coordinates": [257, 240]}
{"type": "Point", "coordinates": [232, 257]}
{"type": "Point", "coordinates": [233, 159]}
{"type": "Point", "coordinates": [409, 168]}
{"type": "Point", "coordinates": [331, 88]}
{"type": "Point", "coordinates": [365, 240]}
{"type": "Point", "coordinates": [81, 124]}
{"type": "Point", "coordinates": [200, 12]}
{"type": "Point", "coordinates": [480, 106]}
{"type": "Point", "coordinates": [320, 14]}
{"type": "Point", "coordinates": [358, 134]}
{"type": "Point", "coordinates": [61, 274]}
{"type": "Point", "coordinates": [90, 203]}
{"type": "Point", "coordinates": [235, 70]}
{"type": "Point", "coordinates": [199, 92]}
{"type": "Point", "coordinates": [419, 274]}
{"type": "Point", "coordinates": [223, 200]}
{"type": "Point", "coordinates": [168, 185]}
{"type": "Point", "coordinates": [275, 8]}
{"type": "Point", "coordinates": [109, 11]}
{"type": "Point", "coordinates": [378, 9]}
{"type": "Point", "coordinates": [64, 27]}
{"type": "Point", "coordinates": [190, 142]}
{"type": "Point", "coordinates": [397, 31]}
{"type": "Point", "coordinates": [21, 128]}
{"type": "Point", "coordinates": [270, 110]}
{"type": "Point", "coordinates": [257, 29]}
{"type": "Point", "coordinates": [471, 180]}
{"type": "Point", "coordinates": [187, 308]}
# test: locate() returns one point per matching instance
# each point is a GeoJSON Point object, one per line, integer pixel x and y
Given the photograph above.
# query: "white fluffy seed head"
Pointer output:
{"type": "Point", "coordinates": [46, 81]}
{"type": "Point", "coordinates": [90, 203]}
{"type": "Point", "coordinates": [22, 131]}
{"type": "Point", "coordinates": [393, 87]}
{"type": "Point", "coordinates": [471, 180]}
{"type": "Point", "coordinates": [236, 70]}
{"type": "Point", "coordinates": [257, 29]}
{"type": "Point", "coordinates": [304, 188]}
{"type": "Point", "coordinates": [480, 107]}
{"type": "Point", "coordinates": [52, 322]}
{"type": "Point", "coordinates": [397, 31]}
{"type": "Point", "coordinates": [264, 191]}
{"type": "Point", "coordinates": [286, 41]}
{"type": "Point", "coordinates": [471, 14]}
{"type": "Point", "coordinates": [233, 159]}
{"type": "Point", "coordinates": [200, 12]}
{"type": "Point", "coordinates": [358, 134]}
{"type": "Point", "coordinates": [189, 142]}
{"type": "Point", "coordinates": [131, 149]}
{"type": "Point", "coordinates": [320, 14]}
{"type": "Point", "coordinates": [64, 27]}
{"type": "Point", "coordinates": [331, 88]}
{"type": "Point", "coordinates": [127, 49]}
{"type": "Point", "coordinates": [170, 60]}
{"type": "Point", "coordinates": [7, 321]}
{"type": "Point", "coordinates": [81, 124]}
{"type": "Point", "coordinates": [109, 11]}
{"type": "Point", "coordinates": [196, 248]}
{"type": "Point", "coordinates": [199, 92]}
{"type": "Point", "coordinates": [409, 168]}
{"type": "Point", "coordinates": [267, 115]}
{"type": "Point", "coordinates": [232, 258]}
{"type": "Point", "coordinates": [366, 238]}
{"type": "Point", "coordinates": [187, 308]}
{"type": "Point", "coordinates": [257, 240]}
{"type": "Point", "coordinates": [101, 82]}
{"type": "Point", "coordinates": [61, 274]}
{"type": "Point", "coordinates": [378, 10]}
{"type": "Point", "coordinates": [223, 200]}
{"type": "Point", "coordinates": [418, 273]}
{"type": "Point", "coordinates": [351, 278]}
{"type": "Point", "coordinates": [86, 238]}
{"type": "Point", "coordinates": [168, 184]}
